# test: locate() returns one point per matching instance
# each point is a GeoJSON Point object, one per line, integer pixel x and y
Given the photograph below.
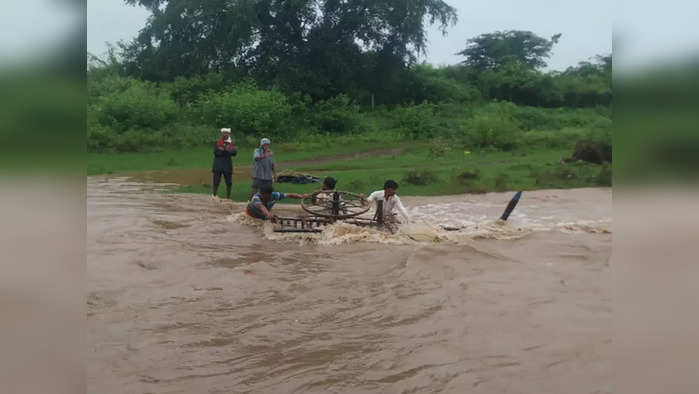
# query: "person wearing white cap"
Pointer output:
{"type": "Point", "coordinates": [263, 171]}
{"type": "Point", "coordinates": [224, 149]}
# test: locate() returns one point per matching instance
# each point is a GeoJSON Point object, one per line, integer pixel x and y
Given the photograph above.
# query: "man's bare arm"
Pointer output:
{"type": "Point", "coordinates": [296, 195]}
{"type": "Point", "coordinates": [263, 209]}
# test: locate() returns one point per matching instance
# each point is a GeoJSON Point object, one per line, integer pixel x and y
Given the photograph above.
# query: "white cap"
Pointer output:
{"type": "Point", "coordinates": [265, 141]}
{"type": "Point", "coordinates": [224, 130]}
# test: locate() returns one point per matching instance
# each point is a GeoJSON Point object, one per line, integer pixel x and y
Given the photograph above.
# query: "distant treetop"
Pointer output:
{"type": "Point", "coordinates": [493, 50]}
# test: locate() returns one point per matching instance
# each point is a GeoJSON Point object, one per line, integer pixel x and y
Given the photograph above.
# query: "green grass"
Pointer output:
{"type": "Point", "coordinates": [415, 167]}
{"type": "Point", "coordinates": [115, 163]}
{"type": "Point", "coordinates": [496, 171]}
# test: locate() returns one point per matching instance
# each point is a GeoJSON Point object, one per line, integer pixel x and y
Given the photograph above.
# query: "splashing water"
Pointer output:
{"type": "Point", "coordinates": [456, 222]}
{"type": "Point", "coordinates": [340, 233]}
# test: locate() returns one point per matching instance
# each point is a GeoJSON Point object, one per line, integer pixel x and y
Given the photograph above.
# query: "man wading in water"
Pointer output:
{"type": "Point", "coordinates": [263, 171]}
{"type": "Point", "coordinates": [329, 183]}
{"type": "Point", "coordinates": [224, 148]}
{"type": "Point", "coordinates": [391, 202]}
{"type": "Point", "coordinates": [261, 203]}
{"type": "Point", "coordinates": [328, 186]}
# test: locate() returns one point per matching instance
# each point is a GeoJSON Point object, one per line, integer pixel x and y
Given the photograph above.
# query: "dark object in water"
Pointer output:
{"type": "Point", "coordinates": [511, 206]}
{"type": "Point", "coordinates": [298, 179]}
{"type": "Point", "coordinates": [591, 152]}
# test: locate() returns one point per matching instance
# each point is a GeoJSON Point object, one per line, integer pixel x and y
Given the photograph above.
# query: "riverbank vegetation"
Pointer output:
{"type": "Point", "coordinates": [338, 87]}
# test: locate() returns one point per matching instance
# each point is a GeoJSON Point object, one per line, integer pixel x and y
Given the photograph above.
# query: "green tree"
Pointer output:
{"type": "Point", "coordinates": [588, 84]}
{"type": "Point", "coordinates": [246, 109]}
{"type": "Point", "coordinates": [494, 50]}
{"type": "Point", "coordinates": [319, 47]}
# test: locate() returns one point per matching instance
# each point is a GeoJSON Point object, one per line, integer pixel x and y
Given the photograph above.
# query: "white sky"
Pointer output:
{"type": "Point", "coordinates": [111, 21]}
{"type": "Point", "coordinates": [586, 27]}
{"type": "Point", "coordinates": [31, 27]}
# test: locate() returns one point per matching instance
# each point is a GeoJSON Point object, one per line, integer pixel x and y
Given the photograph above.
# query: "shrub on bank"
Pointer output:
{"type": "Point", "coordinates": [420, 177]}
{"type": "Point", "coordinates": [493, 131]}
{"type": "Point", "coordinates": [138, 106]}
{"type": "Point", "coordinates": [468, 176]}
{"type": "Point", "coordinates": [146, 112]}
{"type": "Point", "coordinates": [417, 121]}
{"type": "Point", "coordinates": [246, 109]}
{"type": "Point", "coordinates": [336, 115]}
{"type": "Point", "coordinates": [178, 136]}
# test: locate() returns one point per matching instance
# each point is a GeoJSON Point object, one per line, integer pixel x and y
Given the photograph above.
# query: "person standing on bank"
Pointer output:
{"type": "Point", "coordinates": [224, 149]}
{"type": "Point", "coordinates": [263, 171]}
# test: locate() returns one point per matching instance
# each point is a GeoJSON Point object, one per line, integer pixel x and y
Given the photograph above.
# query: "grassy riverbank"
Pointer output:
{"type": "Point", "coordinates": [419, 168]}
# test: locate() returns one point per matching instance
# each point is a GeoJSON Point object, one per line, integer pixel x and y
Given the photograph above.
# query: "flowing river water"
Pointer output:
{"type": "Point", "coordinates": [186, 295]}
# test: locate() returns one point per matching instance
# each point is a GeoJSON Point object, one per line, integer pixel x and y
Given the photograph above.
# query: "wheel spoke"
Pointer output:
{"type": "Point", "coordinates": [323, 204]}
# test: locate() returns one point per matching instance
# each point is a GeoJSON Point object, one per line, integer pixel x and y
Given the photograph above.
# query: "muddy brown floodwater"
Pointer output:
{"type": "Point", "coordinates": [187, 296]}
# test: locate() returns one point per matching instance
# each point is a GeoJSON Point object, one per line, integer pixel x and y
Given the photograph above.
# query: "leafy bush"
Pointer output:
{"type": "Point", "coordinates": [337, 115]}
{"type": "Point", "coordinates": [532, 118]}
{"type": "Point", "coordinates": [565, 174]}
{"type": "Point", "coordinates": [184, 110]}
{"type": "Point", "coordinates": [586, 85]}
{"type": "Point", "coordinates": [584, 91]}
{"type": "Point", "coordinates": [604, 178]}
{"type": "Point", "coordinates": [188, 90]}
{"type": "Point", "coordinates": [99, 139]}
{"type": "Point", "coordinates": [107, 85]}
{"type": "Point", "coordinates": [138, 106]}
{"type": "Point", "coordinates": [564, 138]}
{"type": "Point", "coordinates": [247, 109]}
{"type": "Point", "coordinates": [494, 131]}
{"type": "Point", "coordinates": [602, 138]}
{"type": "Point", "coordinates": [252, 140]}
{"type": "Point", "coordinates": [436, 86]}
{"type": "Point", "coordinates": [185, 135]}
{"type": "Point", "coordinates": [515, 82]}
{"type": "Point", "coordinates": [416, 121]}
{"type": "Point", "coordinates": [135, 141]}
{"type": "Point", "coordinates": [439, 148]}
{"type": "Point", "coordinates": [586, 151]}
{"type": "Point", "coordinates": [468, 176]}
{"type": "Point", "coordinates": [418, 177]}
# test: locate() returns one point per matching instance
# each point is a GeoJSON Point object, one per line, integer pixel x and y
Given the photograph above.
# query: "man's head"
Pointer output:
{"type": "Point", "coordinates": [266, 192]}
{"type": "Point", "coordinates": [389, 188]}
{"type": "Point", "coordinates": [264, 143]}
{"type": "Point", "coordinates": [329, 183]}
{"type": "Point", "coordinates": [225, 133]}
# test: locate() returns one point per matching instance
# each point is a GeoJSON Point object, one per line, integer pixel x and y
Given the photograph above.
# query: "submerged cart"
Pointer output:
{"type": "Point", "coordinates": [329, 206]}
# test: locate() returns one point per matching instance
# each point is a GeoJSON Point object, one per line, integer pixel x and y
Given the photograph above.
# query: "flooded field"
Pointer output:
{"type": "Point", "coordinates": [186, 295]}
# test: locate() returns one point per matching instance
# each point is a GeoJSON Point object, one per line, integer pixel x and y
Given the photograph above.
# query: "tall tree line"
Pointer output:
{"type": "Point", "coordinates": [317, 47]}
{"type": "Point", "coordinates": [364, 49]}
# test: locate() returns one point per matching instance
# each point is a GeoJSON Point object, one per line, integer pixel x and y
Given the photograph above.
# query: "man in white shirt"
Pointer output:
{"type": "Point", "coordinates": [391, 201]}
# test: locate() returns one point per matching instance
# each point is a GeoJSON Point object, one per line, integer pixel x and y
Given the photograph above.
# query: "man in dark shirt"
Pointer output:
{"type": "Point", "coordinates": [224, 148]}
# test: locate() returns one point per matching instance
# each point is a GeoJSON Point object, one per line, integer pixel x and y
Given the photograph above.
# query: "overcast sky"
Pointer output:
{"type": "Point", "coordinates": [586, 27]}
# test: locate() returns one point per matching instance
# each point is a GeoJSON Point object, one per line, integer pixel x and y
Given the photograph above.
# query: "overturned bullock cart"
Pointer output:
{"type": "Point", "coordinates": [329, 206]}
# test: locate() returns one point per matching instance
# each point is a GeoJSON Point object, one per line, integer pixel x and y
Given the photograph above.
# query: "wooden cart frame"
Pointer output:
{"type": "Point", "coordinates": [329, 206]}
